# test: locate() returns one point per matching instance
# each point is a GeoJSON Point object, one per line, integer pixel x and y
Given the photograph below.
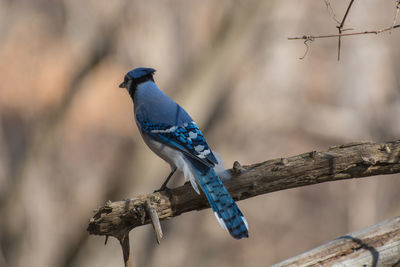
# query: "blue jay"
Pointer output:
{"type": "Point", "coordinates": [172, 134]}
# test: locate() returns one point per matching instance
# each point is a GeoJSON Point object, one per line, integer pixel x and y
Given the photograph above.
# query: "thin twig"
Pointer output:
{"type": "Point", "coordinates": [340, 27]}
{"type": "Point", "coordinates": [345, 15]}
{"type": "Point", "coordinates": [308, 40]}
{"type": "Point", "coordinates": [397, 13]}
{"type": "Point", "coordinates": [331, 11]}
{"type": "Point", "coordinates": [304, 37]}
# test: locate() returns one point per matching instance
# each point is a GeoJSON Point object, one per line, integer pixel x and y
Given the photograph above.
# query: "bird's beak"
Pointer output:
{"type": "Point", "coordinates": [122, 85]}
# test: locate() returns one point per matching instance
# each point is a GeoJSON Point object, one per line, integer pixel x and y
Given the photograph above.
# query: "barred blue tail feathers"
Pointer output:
{"type": "Point", "coordinates": [225, 209]}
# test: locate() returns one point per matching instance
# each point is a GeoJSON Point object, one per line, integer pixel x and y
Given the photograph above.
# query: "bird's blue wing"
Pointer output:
{"type": "Point", "coordinates": [187, 138]}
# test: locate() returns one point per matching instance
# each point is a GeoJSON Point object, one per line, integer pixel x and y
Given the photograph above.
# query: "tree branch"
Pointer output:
{"type": "Point", "coordinates": [378, 245]}
{"type": "Point", "coordinates": [354, 160]}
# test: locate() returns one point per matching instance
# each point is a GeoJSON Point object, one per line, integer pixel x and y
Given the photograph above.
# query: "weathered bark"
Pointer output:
{"type": "Point", "coordinates": [348, 161]}
{"type": "Point", "coordinates": [378, 245]}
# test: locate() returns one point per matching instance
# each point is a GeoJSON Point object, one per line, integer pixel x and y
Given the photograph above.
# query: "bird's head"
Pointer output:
{"type": "Point", "coordinates": [135, 77]}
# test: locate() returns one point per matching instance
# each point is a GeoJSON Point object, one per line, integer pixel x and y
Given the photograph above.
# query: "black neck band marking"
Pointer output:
{"type": "Point", "coordinates": [137, 81]}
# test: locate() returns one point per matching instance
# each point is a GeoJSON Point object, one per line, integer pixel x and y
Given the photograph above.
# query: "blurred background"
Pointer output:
{"type": "Point", "coordinates": [68, 141]}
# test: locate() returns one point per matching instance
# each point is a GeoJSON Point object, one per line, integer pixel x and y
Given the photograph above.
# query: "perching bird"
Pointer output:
{"type": "Point", "coordinates": [172, 134]}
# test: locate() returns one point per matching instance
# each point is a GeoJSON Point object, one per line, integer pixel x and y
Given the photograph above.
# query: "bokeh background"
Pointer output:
{"type": "Point", "coordinates": [68, 142]}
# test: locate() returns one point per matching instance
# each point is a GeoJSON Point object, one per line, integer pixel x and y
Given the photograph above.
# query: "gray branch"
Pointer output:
{"type": "Point", "coordinates": [378, 245]}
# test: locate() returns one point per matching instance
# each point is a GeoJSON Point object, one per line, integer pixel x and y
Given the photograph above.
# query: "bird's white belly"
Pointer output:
{"type": "Point", "coordinates": [165, 152]}
{"type": "Point", "coordinates": [174, 157]}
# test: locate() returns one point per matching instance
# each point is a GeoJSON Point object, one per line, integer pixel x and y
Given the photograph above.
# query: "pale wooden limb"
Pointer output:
{"type": "Point", "coordinates": [377, 245]}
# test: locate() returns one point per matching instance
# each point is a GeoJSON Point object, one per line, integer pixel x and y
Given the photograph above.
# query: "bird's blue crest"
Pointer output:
{"type": "Point", "coordinates": [140, 72]}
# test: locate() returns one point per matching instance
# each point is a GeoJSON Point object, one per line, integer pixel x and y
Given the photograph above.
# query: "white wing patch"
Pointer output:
{"type": "Point", "coordinates": [204, 154]}
{"type": "Point", "coordinates": [169, 130]}
{"type": "Point", "coordinates": [192, 135]}
{"type": "Point", "coordinates": [199, 148]}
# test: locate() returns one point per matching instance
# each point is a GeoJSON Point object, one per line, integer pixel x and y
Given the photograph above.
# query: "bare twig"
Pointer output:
{"type": "Point", "coordinates": [308, 40]}
{"type": "Point", "coordinates": [378, 245]}
{"type": "Point", "coordinates": [304, 37]}
{"type": "Point", "coordinates": [340, 27]}
{"type": "Point", "coordinates": [395, 16]}
{"type": "Point", "coordinates": [331, 11]}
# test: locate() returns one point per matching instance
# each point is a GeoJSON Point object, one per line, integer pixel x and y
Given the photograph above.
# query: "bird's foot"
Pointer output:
{"type": "Point", "coordinates": [163, 188]}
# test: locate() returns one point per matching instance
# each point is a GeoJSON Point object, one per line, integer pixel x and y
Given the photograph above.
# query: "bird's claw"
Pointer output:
{"type": "Point", "coordinates": [162, 188]}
